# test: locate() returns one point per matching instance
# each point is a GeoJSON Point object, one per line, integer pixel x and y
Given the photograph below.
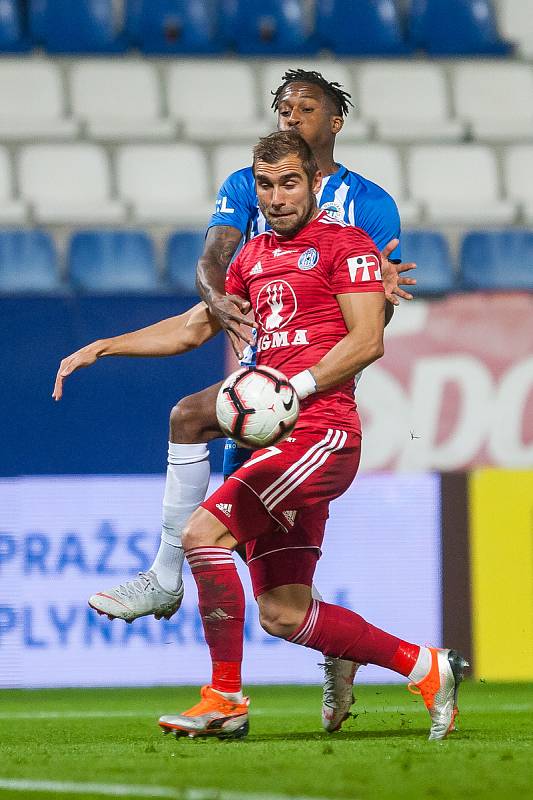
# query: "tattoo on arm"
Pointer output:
{"type": "Point", "coordinates": [220, 245]}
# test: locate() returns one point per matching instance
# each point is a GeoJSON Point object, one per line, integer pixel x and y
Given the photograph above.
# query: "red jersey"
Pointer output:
{"type": "Point", "coordinates": [292, 286]}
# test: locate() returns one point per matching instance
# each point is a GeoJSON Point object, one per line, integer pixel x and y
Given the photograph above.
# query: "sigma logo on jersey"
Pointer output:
{"type": "Point", "coordinates": [308, 259]}
{"type": "Point", "coordinates": [364, 268]}
{"type": "Point", "coordinates": [333, 209]}
{"type": "Point", "coordinates": [276, 305]}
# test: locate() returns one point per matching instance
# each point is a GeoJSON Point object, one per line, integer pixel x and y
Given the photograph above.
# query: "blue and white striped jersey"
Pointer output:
{"type": "Point", "coordinates": [345, 195]}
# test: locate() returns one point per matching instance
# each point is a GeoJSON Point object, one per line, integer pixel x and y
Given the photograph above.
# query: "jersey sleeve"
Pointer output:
{"type": "Point", "coordinates": [356, 263]}
{"type": "Point", "coordinates": [234, 280]}
{"type": "Point", "coordinates": [380, 218]}
{"type": "Point", "coordinates": [236, 204]}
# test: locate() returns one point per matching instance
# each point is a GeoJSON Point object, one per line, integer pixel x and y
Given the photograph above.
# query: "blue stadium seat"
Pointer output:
{"type": "Point", "coordinates": [268, 27]}
{"type": "Point", "coordinates": [175, 26]}
{"type": "Point", "coordinates": [434, 274]}
{"type": "Point", "coordinates": [497, 260]}
{"type": "Point", "coordinates": [183, 250]}
{"type": "Point", "coordinates": [456, 27]}
{"type": "Point", "coordinates": [28, 262]}
{"type": "Point", "coordinates": [113, 262]}
{"type": "Point", "coordinates": [13, 28]}
{"type": "Point", "coordinates": [361, 27]}
{"type": "Point", "coordinates": [86, 26]}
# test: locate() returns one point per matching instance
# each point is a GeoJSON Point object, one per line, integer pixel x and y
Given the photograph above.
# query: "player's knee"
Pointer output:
{"type": "Point", "coordinates": [279, 619]}
{"type": "Point", "coordinates": [202, 530]}
{"type": "Point", "coordinates": [186, 424]}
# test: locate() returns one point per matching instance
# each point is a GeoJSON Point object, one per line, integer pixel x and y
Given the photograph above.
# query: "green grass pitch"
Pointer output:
{"type": "Point", "coordinates": [110, 737]}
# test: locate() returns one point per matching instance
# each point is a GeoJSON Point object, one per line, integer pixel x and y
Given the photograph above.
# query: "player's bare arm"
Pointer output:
{"type": "Point", "coordinates": [363, 344]}
{"type": "Point", "coordinates": [220, 246]}
{"type": "Point", "coordinates": [169, 337]}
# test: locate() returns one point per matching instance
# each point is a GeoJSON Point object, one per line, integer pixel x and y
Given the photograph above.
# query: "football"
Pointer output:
{"type": "Point", "coordinates": [257, 406]}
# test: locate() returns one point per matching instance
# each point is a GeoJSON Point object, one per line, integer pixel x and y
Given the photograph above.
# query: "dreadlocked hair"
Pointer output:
{"type": "Point", "coordinates": [333, 90]}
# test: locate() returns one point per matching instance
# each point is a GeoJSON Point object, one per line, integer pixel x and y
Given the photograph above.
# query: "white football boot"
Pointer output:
{"type": "Point", "coordinates": [338, 696]}
{"type": "Point", "coordinates": [439, 690]}
{"type": "Point", "coordinates": [140, 597]}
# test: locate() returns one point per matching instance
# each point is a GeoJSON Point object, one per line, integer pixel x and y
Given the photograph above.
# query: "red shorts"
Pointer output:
{"type": "Point", "coordinates": [278, 501]}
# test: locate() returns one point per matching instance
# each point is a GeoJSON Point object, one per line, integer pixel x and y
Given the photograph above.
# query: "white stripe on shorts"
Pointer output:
{"type": "Point", "coordinates": [296, 466]}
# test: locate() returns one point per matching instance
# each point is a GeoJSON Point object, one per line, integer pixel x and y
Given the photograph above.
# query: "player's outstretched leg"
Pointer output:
{"type": "Point", "coordinates": [159, 590]}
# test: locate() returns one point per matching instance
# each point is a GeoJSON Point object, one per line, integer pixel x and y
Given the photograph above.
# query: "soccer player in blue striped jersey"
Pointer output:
{"type": "Point", "coordinates": [307, 103]}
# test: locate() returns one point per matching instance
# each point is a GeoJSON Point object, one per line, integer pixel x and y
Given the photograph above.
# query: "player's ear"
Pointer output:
{"type": "Point", "coordinates": [336, 124]}
{"type": "Point", "coordinates": [317, 182]}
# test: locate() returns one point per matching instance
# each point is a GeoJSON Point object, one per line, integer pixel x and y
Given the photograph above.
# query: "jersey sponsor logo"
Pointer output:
{"type": "Point", "coordinates": [221, 206]}
{"type": "Point", "coordinates": [334, 210]}
{"type": "Point", "coordinates": [281, 339]}
{"type": "Point", "coordinates": [225, 508]}
{"type": "Point", "coordinates": [256, 269]}
{"type": "Point", "coordinates": [276, 305]}
{"type": "Point", "coordinates": [364, 268]}
{"type": "Point", "coordinates": [279, 252]}
{"type": "Point", "coordinates": [308, 259]}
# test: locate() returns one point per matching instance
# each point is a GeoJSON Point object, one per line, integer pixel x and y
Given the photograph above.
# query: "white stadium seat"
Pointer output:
{"type": "Point", "coordinates": [458, 184]}
{"type": "Point", "coordinates": [166, 183]}
{"type": "Point", "coordinates": [32, 104]}
{"type": "Point", "coordinates": [272, 72]}
{"type": "Point", "coordinates": [214, 100]}
{"type": "Point", "coordinates": [381, 164]}
{"type": "Point", "coordinates": [496, 99]}
{"type": "Point", "coordinates": [68, 183]}
{"type": "Point", "coordinates": [515, 18]}
{"type": "Point", "coordinates": [229, 158]}
{"type": "Point", "coordinates": [11, 211]}
{"type": "Point", "coordinates": [119, 100]}
{"type": "Point", "coordinates": [518, 173]}
{"type": "Point", "coordinates": [408, 102]}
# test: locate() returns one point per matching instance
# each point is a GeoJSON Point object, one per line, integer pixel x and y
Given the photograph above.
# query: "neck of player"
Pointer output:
{"type": "Point", "coordinates": [325, 161]}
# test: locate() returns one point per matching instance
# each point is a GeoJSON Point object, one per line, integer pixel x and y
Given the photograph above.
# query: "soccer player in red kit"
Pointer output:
{"type": "Point", "coordinates": [315, 286]}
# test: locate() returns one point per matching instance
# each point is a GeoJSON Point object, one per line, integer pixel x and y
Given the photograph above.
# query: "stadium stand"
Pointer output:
{"type": "Point", "coordinates": [162, 27]}
{"type": "Point", "coordinates": [113, 261]}
{"type": "Point", "coordinates": [28, 262]}
{"type": "Point", "coordinates": [183, 250]}
{"type": "Point", "coordinates": [119, 100]}
{"type": "Point", "coordinates": [495, 260]}
{"type": "Point", "coordinates": [68, 183]}
{"type": "Point", "coordinates": [86, 26]}
{"type": "Point", "coordinates": [268, 27]}
{"type": "Point", "coordinates": [12, 210]}
{"type": "Point", "coordinates": [430, 249]}
{"type": "Point", "coordinates": [456, 27]}
{"type": "Point", "coordinates": [515, 19]}
{"type": "Point", "coordinates": [14, 36]}
{"type": "Point", "coordinates": [518, 176]}
{"type": "Point", "coordinates": [361, 27]}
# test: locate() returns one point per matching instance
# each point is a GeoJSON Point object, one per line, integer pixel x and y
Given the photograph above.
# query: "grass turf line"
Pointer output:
{"type": "Point", "coordinates": [381, 753]}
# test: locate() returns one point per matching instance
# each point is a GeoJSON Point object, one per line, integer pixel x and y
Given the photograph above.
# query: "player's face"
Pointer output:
{"type": "Point", "coordinates": [286, 196]}
{"type": "Point", "coordinates": [305, 108]}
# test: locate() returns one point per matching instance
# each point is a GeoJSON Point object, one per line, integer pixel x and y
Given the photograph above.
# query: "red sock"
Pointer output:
{"type": "Point", "coordinates": [221, 604]}
{"type": "Point", "coordinates": [339, 632]}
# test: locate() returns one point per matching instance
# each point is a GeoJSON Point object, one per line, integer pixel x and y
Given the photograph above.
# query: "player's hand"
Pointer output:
{"type": "Point", "coordinates": [81, 358]}
{"type": "Point", "coordinates": [229, 310]}
{"type": "Point", "coordinates": [393, 277]}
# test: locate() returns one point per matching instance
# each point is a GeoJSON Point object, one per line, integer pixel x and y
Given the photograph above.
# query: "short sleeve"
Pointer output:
{"type": "Point", "coordinates": [236, 203]}
{"type": "Point", "coordinates": [234, 281]}
{"type": "Point", "coordinates": [356, 263]}
{"type": "Point", "coordinates": [380, 218]}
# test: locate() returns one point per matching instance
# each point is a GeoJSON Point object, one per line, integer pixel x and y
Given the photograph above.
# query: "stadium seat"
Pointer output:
{"type": "Point", "coordinates": [13, 33]}
{"type": "Point", "coordinates": [498, 260]}
{"type": "Point", "coordinates": [32, 101]}
{"type": "Point", "coordinates": [227, 159]}
{"type": "Point", "coordinates": [86, 26]}
{"type": "Point", "coordinates": [458, 184]}
{"type": "Point", "coordinates": [518, 177]}
{"type": "Point", "coordinates": [361, 27]}
{"type": "Point", "coordinates": [456, 27]}
{"type": "Point", "coordinates": [183, 250]}
{"type": "Point", "coordinates": [355, 129]}
{"type": "Point", "coordinates": [165, 183]}
{"type": "Point", "coordinates": [28, 262]}
{"type": "Point", "coordinates": [174, 26]}
{"type": "Point", "coordinates": [12, 211]}
{"type": "Point", "coordinates": [515, 19]}
{"type": "Point", "coordinates": [268, 27]}
{"type": "Point", "coordinates": [68, 184]}
{"type": "Point", "coordinates": [496, 99]}
{"type": "Point", "coordinates": [119, 100]}
{"type": "Point", "coordinates": [202, 95]}
{"type": "Point", "coordinates": [381, 164]}
{"type": "Point", "coordinates": [113, 261]}
{"type": "Point", "coordinates": [430, 251]}
{"type": "Point", "coordinates": [420, 113]}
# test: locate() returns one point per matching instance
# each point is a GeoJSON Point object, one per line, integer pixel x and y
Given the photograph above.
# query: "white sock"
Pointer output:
{"type": "Point", "coordinates": [185, 488]}
{"type": "Point", "coordinates": [422, 666]}
{"type": "Point", "coordinates": [233, 697]}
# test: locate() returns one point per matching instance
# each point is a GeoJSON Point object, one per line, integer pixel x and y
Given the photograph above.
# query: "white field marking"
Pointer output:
{"type": "Point", "coordinates": [123, 790]}
{"type": "Point", "coordinates": [262, 712]}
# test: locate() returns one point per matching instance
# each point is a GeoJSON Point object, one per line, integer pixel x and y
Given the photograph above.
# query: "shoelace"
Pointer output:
{"type": "Point", "coordinates": [329, 685]}
{"type": "Point", "coordinates": [132, 588]}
